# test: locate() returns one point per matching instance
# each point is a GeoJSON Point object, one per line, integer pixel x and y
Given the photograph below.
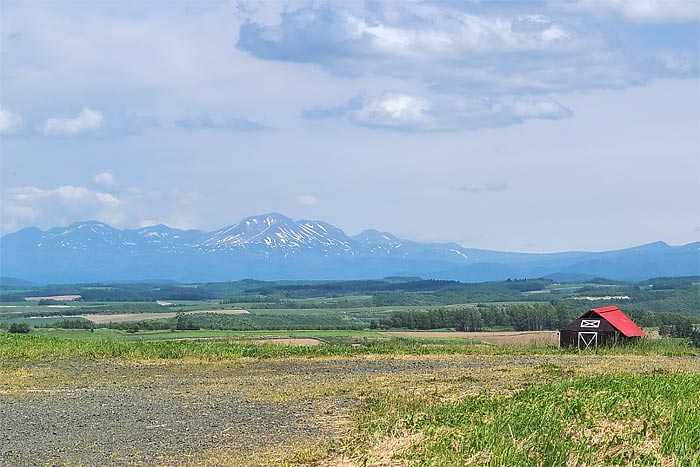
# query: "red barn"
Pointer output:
{"type": "Point", "coordinates": [599, 326]}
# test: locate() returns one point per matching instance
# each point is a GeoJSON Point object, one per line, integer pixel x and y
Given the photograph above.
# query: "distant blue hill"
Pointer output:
{"type": "Point", "coordinates": [273, 246]}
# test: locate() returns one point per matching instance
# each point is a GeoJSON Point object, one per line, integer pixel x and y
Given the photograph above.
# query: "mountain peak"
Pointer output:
{"type": "Point", "coordinates": [88, 224]}
{"type": "Point", "coordinates": [276, 233]}
{"type": "Point", "coordinates": [266, 219]}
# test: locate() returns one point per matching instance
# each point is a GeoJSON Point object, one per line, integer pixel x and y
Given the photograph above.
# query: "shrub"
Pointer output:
{"type": "Point", "coordinates": [19, 328]}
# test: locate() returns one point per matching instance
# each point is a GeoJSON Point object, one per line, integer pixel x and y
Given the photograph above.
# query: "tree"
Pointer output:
{"type": "Point", "coordinates": [184, 322]}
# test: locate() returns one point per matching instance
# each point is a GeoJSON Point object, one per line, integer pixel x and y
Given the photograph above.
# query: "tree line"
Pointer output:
{"type": "Point", "coordinates": [520, 317]}
{"type": "Point", "coordinates": [524, 317]}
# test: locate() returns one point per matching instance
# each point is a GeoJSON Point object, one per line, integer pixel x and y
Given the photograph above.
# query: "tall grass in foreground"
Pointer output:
{"type": "Point", "coordinates": [33, 347]}
{"type": "Point", "coordinates": [629, 420]}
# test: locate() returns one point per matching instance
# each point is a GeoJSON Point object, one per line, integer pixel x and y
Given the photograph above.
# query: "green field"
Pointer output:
{"type": "Point", "coordinates": [122, 336]}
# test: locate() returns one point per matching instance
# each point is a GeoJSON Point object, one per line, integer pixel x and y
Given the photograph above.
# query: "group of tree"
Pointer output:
{"type": "Point", "coordinates": [684, 328]}
{"type": "Point", "coordinates": [520, 317]}
{"type": "Point", "coordinates": [526, 317]}
{"type": "Point", "coordinates": [19, 328]}
{"type": "Point", "coordinates": [70, 324]}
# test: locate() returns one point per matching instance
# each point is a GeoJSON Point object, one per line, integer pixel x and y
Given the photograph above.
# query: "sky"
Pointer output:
{"type": "Point", "coordinates": [533, 126]}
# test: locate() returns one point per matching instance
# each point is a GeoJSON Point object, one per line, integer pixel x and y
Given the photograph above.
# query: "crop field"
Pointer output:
{"type": "Point", "coordinates": [133, 317]}
{"type": "Point", "coordinates": [113, 335]}
{"type": "Point", "coordinates": [69, 401]}
{"type": "Point", "coordinates": [542, 338]}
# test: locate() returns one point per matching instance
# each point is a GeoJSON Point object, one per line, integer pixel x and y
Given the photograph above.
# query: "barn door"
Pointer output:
{"type": "Point", "coordinates": [587, 340]}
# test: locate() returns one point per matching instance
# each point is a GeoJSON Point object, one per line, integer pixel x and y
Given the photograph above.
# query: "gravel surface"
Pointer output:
{"type": "Point", "coordinates": [121, 413]}
{"type": "Point", "coordinates": [108, 422]}
{"type": "Point", "coordinates": [115, 427]}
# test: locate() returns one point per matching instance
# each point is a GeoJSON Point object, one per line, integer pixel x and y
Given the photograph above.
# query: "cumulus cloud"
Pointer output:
{"type": "Point", "coordinates": [215, 123]}
{"type": "Point", "coordinates": [392, 110]}
{"type": "Point", "coordinates": [10, 122]}
{"type": "Point", "coordinates": [396, 111]}
{"type": "Point", "coordinates": [114, 204]}
{"type": "Point", "coordinates": [96, 123]}
{"type": "Point", "coordinates": [307, 200]}
{"type": "Point", "coordinates": [329, 33]}
{"type": "Point", "coordinates": [87, 121]}
{"type": "Point", "coordinates": [467, 48]}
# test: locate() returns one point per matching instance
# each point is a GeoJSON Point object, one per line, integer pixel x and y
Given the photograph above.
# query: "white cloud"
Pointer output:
{"type": "Point", "coordinates": [24, 206]}
{"type": "Point", "coordinates": [32, 194]}
{"type": "Point", "coordinates": [404, 112]}
{"type": "Point", "coordinates": [449, 47]}
{"type": "Point", "coordinates": [642, 10]}
{"type": "Point", "coordinates": [481, 48]}
{"type": "Point", "coordinates": [9, 121]}
{"type": "Point", "coordinates": [106, 179]}
{"type": "Point", "coordinates": [307, 200]}
{"type": "Point", "coordinates": [122, 207]}
{"type": "Point", "coordinates": [87, 121]}
{"type": "Point", "coordinates": [393, 110]}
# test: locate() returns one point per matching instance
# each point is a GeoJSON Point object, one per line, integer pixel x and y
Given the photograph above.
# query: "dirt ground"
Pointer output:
{"type": "Point", "coordinates": [500, 338]}
{"type": "Point", "coordinates": [242, 412]}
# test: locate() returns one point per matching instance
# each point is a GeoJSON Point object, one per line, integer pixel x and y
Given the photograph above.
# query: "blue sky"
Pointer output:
{"type": "Point", "coordinates": [524, 126]}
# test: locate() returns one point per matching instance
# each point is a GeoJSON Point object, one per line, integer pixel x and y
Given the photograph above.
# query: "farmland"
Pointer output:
{"type": "Point", "coordinates": [394, 303]}
{"type": "Point", "coordinates": [349, 374]}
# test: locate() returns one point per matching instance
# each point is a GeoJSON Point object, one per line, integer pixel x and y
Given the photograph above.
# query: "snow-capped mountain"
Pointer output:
{"type": "Point", "coordinates": [273, 246]}
{"type": "Point", "coordinates": [277, 233]}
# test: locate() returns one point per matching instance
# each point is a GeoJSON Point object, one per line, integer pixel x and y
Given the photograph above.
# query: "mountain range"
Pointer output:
{"type": "Point", "coordinates": [273, 246]}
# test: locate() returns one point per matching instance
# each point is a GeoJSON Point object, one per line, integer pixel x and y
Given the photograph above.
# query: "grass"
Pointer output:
{"type": "Point", "coordinates": [486, 406]}
{"type": "Point", "coordinates": [118, 335]}
{"type": "Point", "coordinates": [38, 347]}
{"type": "Point", "coordinates": [622, 419]}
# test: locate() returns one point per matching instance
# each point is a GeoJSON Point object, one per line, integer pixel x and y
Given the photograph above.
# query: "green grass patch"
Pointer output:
{"type": "Point", "coordinates": [630, 420]}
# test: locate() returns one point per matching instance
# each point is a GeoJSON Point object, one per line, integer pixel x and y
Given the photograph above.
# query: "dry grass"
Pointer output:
{"type": "Point", "coordinates": [382, 454]}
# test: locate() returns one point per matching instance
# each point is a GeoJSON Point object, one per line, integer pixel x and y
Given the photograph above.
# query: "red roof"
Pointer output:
{"type": "Point", "coordinates": [619, 321]}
